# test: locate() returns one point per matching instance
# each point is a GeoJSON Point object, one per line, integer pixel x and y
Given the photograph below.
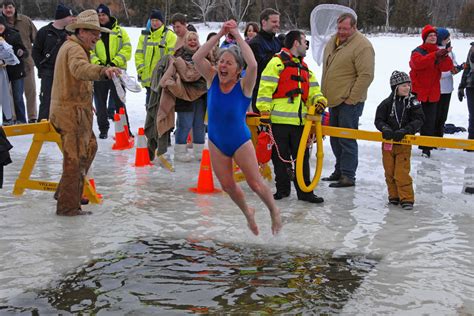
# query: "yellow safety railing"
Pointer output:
{"type": "Point", "coordinates": [313, 125]}
{"type": "Point", "coordinates": [42, 132]}
{"type": "Point", "coordinates": [311, 119]}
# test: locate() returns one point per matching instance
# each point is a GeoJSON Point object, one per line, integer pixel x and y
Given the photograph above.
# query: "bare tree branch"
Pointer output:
{"type": "Point", "coordinates": [385, 7]}
{"type": "Point", "coordinates": [235, 7]}
{"type": "Point", "coordinates": [126, 11]}
{"type": "Point", "coordinates": [205, 6]}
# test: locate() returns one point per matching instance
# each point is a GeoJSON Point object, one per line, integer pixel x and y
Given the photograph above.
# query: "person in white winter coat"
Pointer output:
{"type": "Point", "coordinates": [446, 82]}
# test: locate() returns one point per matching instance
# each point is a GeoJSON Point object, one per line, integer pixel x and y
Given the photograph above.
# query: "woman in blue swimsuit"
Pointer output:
{"type": "Point", "coordinates": [229, 137]}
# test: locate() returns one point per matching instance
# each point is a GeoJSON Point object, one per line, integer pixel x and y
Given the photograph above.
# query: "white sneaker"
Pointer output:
{"type": "Point", "coordinates": [130, 82]}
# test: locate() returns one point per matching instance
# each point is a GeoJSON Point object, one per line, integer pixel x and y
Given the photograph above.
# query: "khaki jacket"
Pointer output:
{"type": "Point", "coordinates": [348, 70]}
{"type": "Point", "coordinates": [73, 76]}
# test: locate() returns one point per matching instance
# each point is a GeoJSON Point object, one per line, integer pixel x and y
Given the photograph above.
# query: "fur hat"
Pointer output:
{"type": "Point", "coordinates": [102, 8]}
{"type": "Point", "coordinates": [397, 78]}
{"type": "Point", "coordinates": [156, 14]}
{"type": "Point", "coordinates": [87, 19]}
{"type": "Point", "coordinates": [426, 31]}
{"type": "Point", "coordinates": [62, 12]}
{"type": "Point", "coordinates": [442, 35]}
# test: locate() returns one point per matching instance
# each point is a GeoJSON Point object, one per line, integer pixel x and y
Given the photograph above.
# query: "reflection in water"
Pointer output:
{"type": "Point", "coordinates": [468, 186]}
{"type": "Point", "coordinates": [428, 179]}
{"type": "Point", "coordinates": [157, 276]}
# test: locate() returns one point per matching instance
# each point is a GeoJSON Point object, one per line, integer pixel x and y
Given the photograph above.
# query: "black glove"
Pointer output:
{"type": "Point", "coordinates": [387, 133]}
{"type": "Point", "coordinates": [321, 105]}
{"type": "Point", "coordinates": [460, 94]}
{"type": "Point", "coordinates": [399, 134]}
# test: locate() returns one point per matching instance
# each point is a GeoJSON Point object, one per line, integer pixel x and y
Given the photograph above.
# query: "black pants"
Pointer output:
{"type": "Point", "coordinates": [45, 96]}
{"type": "Point", "coordinates": [101, 93]}
{"type": "Point", "coordinates": [442, 114]}
{"type": "Point", "coordinates": [470, 107]}
{"type": "Point", "coordinates": [429, 126]}
{"type": "Point", "coordinates": [287, 139]}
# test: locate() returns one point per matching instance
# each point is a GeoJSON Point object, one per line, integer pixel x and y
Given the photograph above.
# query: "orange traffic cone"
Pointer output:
{"type": "Point", "coordinates": [121, 139]}
{"type": "Point", "coordinates": [205, 181]}
{"type": "Point", "coordinates": [142, 157]}
{"type": "Point", "coordinates": [123, 119]}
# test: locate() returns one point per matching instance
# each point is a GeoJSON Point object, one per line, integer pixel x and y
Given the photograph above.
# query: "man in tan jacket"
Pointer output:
{"type": "Point", "coordinates": [71, 108]}
{"type": "Point", "coordinates": [348, 70]}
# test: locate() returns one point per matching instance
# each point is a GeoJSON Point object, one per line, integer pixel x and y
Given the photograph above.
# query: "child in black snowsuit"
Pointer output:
{"type": "Point", "coordinates": [398, 115]}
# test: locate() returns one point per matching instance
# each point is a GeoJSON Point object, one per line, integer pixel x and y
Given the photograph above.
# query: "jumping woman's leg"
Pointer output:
{"type": "Point", "coordinates": [246, 159]}
{"type": "Point", "coordinates": [222, 166]}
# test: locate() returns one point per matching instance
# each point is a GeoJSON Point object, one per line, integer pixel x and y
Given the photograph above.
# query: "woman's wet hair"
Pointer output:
{"type": "Point", "coordinates": [235, 51]}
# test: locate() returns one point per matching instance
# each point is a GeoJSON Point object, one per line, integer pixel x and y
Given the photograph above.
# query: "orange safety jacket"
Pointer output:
{"type": "Point", "coordinates": [291, 77]}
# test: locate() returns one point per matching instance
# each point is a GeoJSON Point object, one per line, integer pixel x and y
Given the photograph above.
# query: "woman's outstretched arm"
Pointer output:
{"type": "Point", "coordinates": [248, 82]}
{"type": "Point", "coordinates": [202, 64]}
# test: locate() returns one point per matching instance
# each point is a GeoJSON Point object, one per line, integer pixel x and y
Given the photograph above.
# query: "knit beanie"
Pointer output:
{"type": "Point", "coordinates": [102, 8]}
{"type": "Point", "coordinates": [442, 35]}
{"type": "Point", "coordinates": [62, 12]}
{"type": "Point", "coordinates": [426, 31]}
{"type": "Point", "coordinates": [156, 14]}
{"type": "Point", "coordinates": [397, 78]}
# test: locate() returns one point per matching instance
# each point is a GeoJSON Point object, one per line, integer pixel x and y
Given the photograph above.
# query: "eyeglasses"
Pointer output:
{"type": "Point", "coordinates": [94, 32]}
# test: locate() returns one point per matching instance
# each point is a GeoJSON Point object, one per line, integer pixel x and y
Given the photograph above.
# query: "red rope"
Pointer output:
{"type": "Point", "coordinates": [309, 144]}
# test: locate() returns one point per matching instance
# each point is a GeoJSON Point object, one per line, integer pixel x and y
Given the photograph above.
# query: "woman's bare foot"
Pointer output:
{"type": "Point", "coordinates": [276, 221]}
{"type": "Point", "coordinates": [250, 215]}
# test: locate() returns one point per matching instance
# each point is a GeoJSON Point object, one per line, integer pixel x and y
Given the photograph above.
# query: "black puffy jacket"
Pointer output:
{"type": "Point", "coordinates": [409, 112]}
{"type": "Point", "coordinates": [5, 146]}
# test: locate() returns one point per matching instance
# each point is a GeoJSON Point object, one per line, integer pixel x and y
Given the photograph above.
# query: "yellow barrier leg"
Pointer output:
{"type": "Point", "coordinates": [23, 182]}
{"type": "Point", "coordinates": [90, 192]}
{"type": "Point", "coordinates": [43, 132]}
{"type": "Point", "coordinates": [311, 118]}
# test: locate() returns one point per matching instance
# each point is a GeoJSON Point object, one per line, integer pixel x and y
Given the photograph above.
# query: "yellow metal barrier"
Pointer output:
{"type": "Point", "coordinates": [313, 122]}
{"type": "Point", "coordinates": [407, 140]}
{"type": "Point", "coordinates": [42, 132]}
{"type": "Point", "coordinates": [313, 125]}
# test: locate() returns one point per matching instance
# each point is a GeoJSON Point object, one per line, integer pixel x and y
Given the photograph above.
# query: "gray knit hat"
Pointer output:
{"type": "Point", "coordinates": [397, 78]}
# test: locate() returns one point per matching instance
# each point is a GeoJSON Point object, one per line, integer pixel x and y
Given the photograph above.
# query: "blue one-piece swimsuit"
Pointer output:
{"type": "Point", "coordinates": [227, 128]}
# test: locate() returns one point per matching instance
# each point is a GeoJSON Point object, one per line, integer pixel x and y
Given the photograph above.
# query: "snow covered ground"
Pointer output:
{"type": "Point", "coordinates": [426, 255]}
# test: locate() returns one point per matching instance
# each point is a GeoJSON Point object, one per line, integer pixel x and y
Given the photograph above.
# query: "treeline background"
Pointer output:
{"type": "Point", "coordinates": [399, 16]}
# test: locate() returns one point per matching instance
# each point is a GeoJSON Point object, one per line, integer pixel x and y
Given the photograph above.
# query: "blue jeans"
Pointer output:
{"type": "Point", "coordinates": [18, 101]}
{"type": "Point", "coordinates": [194, 120]}
{"type": "Point", "coordinates": [345, 150]}
{"type": "Point", "coordinates": [470, 108]}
